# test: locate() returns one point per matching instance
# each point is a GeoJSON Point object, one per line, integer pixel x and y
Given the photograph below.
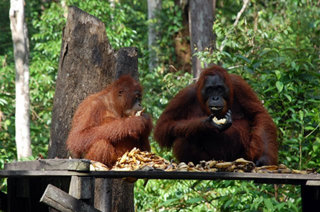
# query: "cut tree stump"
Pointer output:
{"type": "Point", "coordinates": [87, 64]}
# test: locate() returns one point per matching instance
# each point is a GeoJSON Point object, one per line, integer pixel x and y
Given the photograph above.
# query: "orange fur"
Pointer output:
{"type": "Point", "coordinates": [252, 135]}
{"type": "Point", "coordinates": [101, 131]}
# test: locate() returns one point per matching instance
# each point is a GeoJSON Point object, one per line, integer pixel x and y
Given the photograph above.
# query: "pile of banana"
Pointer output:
{"type": "Point", "coordinates": [140, 160]}
{"type": "Point", "coordinates": [145, 161]}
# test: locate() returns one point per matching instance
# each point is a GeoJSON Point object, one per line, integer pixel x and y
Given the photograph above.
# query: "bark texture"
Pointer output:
{"type": "Point", "coordinates": [87, 65]}
{"type": "Point", "coordinates": [153, 7]}
{"type": "Point", "coordinates": [201, 19]}
{"type": "Point", "coordinates": [21, 56]}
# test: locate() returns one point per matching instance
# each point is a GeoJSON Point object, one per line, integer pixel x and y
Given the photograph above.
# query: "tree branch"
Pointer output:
{"type": "Point", "coordinates": [244, 6]}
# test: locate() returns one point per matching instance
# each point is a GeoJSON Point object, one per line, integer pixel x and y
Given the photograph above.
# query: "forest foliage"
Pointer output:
{"type": "Point", "coordinates": [275, 47]}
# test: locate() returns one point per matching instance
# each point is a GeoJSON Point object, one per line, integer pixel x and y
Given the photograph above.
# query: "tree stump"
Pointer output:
{"type": "Point", "coordinates": [87, 65]}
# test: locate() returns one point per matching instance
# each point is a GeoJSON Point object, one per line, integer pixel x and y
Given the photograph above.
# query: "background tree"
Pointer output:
{"type": "Point", "coordinates": [154, 6]}
{"type": "Point", "coordinates": [201, 19]}
{"type": "Point", "coordinates": [21, 55]}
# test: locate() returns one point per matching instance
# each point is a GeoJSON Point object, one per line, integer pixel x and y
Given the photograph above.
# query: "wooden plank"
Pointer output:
{"type": "Point", "coordinates": [103, 194]}
{"type": "Point", "coordinates": [60, 200]}
{"type": "Point", "coordinates": [50, 164]}
{"type": "Point", "coordinates": [81, 187]}
{"type": "Point", "coordinates": [313, 183]}
{"type": "Point", "coordinates": [310, 198]}
{"type": "Point", "coordinates": [113, 195]}
{"type": "Point", "coordinates": [17, 194]}
{"type": "Point", "coordinates": [39, 173]}
{"type": "Point", "coordinates": [125, 190]}
{"type": "Point", "coordinates": [22, 187]}
{"type": "Point", "coordinates": [3, 201]}
{"type": "Point", "coordinates": [259, 177]}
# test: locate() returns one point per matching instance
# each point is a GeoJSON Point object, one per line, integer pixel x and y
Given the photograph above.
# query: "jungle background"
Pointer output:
{"type": "Point", "coordinates": [275, 47]}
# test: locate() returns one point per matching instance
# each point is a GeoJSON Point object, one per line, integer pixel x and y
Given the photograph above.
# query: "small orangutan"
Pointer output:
{"type": "Point", "coordinates": [219, 117]}
{"type": "Point", "coordinates": [109, 123]}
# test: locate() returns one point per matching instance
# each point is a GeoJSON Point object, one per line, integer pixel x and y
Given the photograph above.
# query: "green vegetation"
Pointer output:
{"type": "Point", "coordinates": [275, 47]}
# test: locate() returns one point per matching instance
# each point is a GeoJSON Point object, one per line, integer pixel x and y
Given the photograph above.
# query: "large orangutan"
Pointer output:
{"type": "Point", "coordinates": [219, 117]}
{"type": "Point", "coordinates": [109, 123]}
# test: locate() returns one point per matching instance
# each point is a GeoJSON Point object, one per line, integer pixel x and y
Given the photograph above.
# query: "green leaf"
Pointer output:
{"type": "Point", "coordinates": [268, 204]}
{"type": "Point", "coordinates": [244, 58]}
{"type": "Point", "coordinates": [288, 97]}
{"type": "Point", "coordinates": [226, 205]}
{"type": "Point", "coordinates": [194, 200]}
{"type": "Point", "coordinates": [301, 114]}
{"type": "Point", "coordinates": [169, 202]}
{"type": "Point", "coordinates": [279, 86]}
{"type": "Point", "coordinates": [278, 74]}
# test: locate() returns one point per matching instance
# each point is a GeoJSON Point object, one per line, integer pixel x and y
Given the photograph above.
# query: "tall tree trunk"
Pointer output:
{"type": "Point", "coordinates": [21, 54]}
{"type": "Point", "coordinates": [201, 19]}
{"type": "Point", "coordinates": [153, 6]}
{"type": "Point", "coordinates": [182, 40]}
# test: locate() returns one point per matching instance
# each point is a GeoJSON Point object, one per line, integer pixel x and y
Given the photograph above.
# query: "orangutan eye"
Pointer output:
{"type": "Point", "coordinates": [209, 89]}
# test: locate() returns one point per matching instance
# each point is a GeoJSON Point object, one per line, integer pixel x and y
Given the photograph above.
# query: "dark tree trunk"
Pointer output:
{"type": "Point", "coordinates": [182, 40]}
{"type": "Point", "coordinates": [87, 65]}
{"type": "Point", "coordinates": [201, 19]}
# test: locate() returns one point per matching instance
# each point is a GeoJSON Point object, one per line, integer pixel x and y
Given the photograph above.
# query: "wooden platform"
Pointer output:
{"type": "Point", "coordinates": [27, 173]}
{"type": "Point", "coordinates": [294, 179]}
{"type": "Point", "coordinates": [81, 168]}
